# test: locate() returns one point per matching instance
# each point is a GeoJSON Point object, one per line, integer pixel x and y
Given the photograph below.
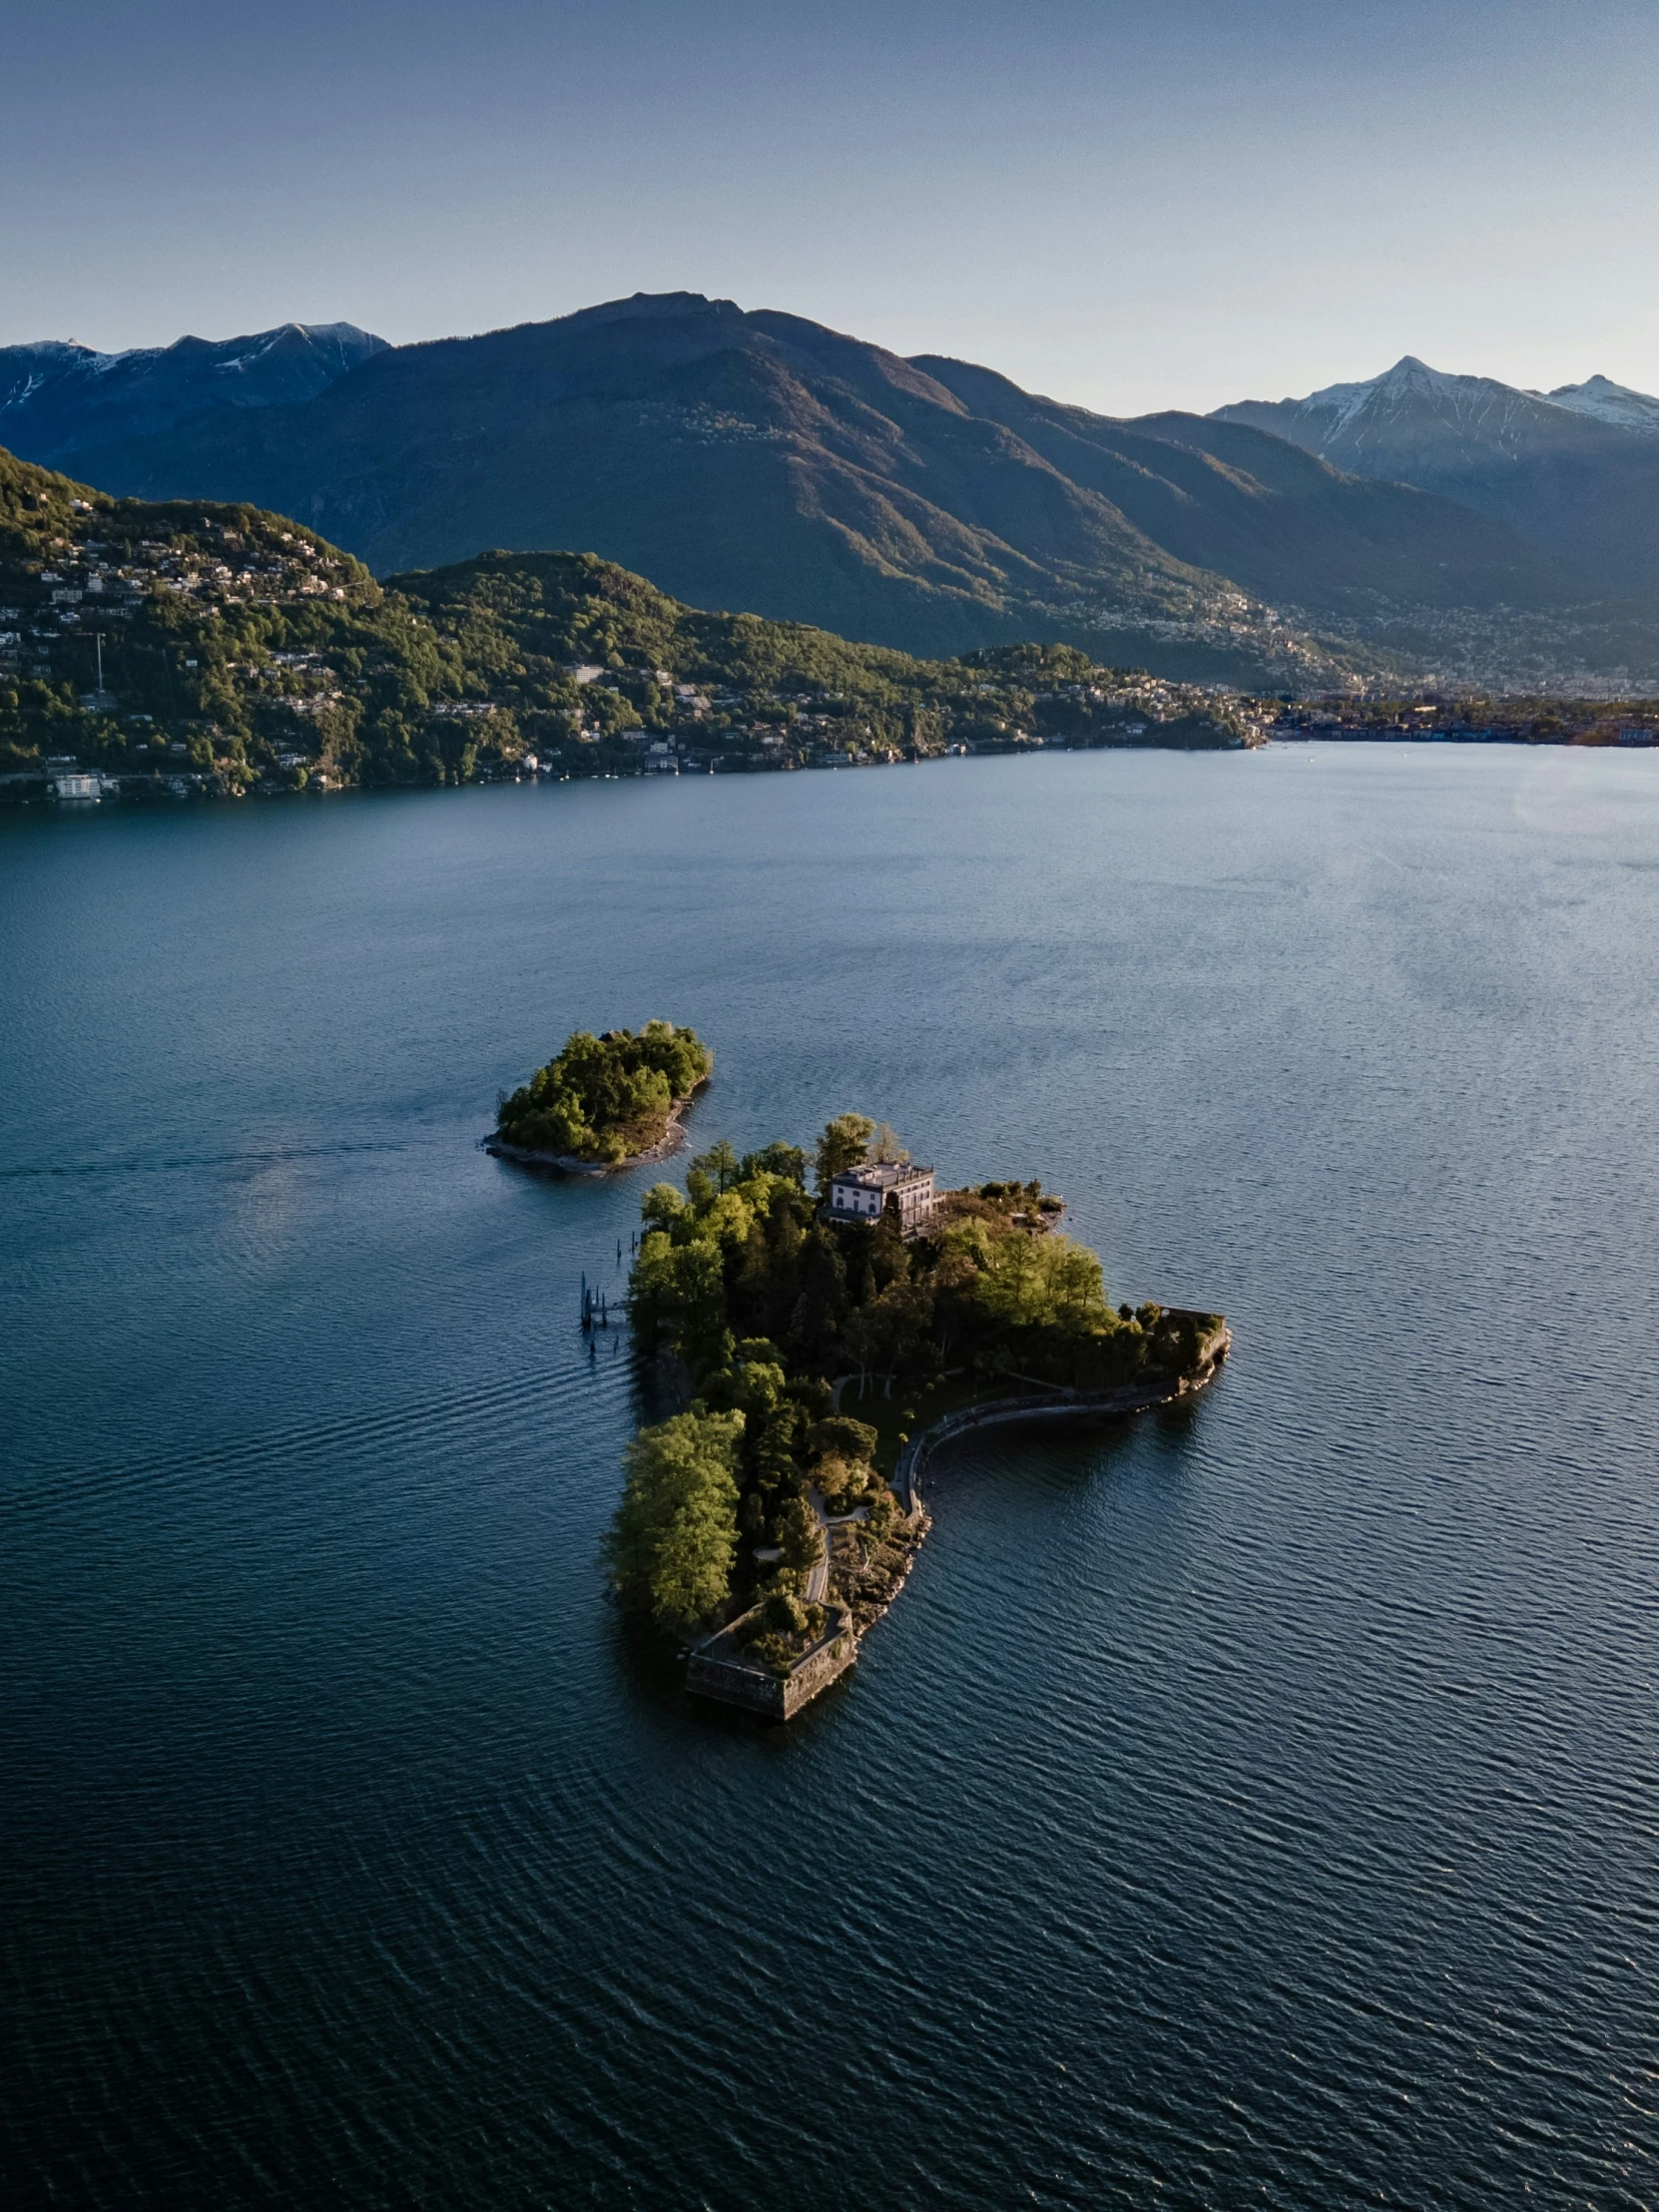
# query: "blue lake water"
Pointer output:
{"type": "Point", "coordinates": [1255, 1807]}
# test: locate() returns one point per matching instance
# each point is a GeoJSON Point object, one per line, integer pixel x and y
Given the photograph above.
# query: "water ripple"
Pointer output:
{"type": "Point", "coordinates": [1251, 1807]}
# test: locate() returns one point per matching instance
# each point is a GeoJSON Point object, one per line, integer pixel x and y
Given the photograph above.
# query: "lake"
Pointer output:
{"type": "Point", "coordinates": [1254, 1805]}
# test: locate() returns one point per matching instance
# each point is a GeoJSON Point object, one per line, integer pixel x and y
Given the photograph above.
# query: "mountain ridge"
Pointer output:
{"type": "Point", "coordinates": [758, 459]}
{"type": "Point", "coordinates": [1574, 472]}
{"type": "Point", "coordinates": [57, 395]}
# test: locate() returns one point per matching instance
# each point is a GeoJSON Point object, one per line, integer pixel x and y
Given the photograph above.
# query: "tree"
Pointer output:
{"type": "Point", "coordinates": [822, 1301]}
{"type": "Point", "coordinates": [858, 1257]}
{"type": "Point", "coordinates": [663, 1208]}
{"type": "Point", "coordinates": [754, 1385]}
{"type": "Point", "coordinates": [890, 1257]}
{"type": "Point", "coordinates": [844, 1144]}
{"type": "Point", "coordinates": [677, 1292]}
{"type": "Point", "coordinates": [784, 1614]}
{"type": "Point", "coordinates": [775, 1446]}
{"type": "Point", "coordinates": [884, 1144]}
{"type": "Point", "coordinates": [842, 1437]}
{"type": "Point", "coordinates": [786, 1160]}
{"type": "Point", "coordinates": [843, 1482]}
{"type": "Point", "coordinates": [892, 1328]}
{"type": "Point", "coordinates": [1041, 1281]}
{"type": "Point", "coordinates": [720, 1162]}
{"type": "Point", "coordinates": [800, 1537]}
{"type": "Point", "coordinates": [670, 1547]}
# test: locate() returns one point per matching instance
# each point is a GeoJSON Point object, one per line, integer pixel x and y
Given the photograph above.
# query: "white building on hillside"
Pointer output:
{"type": "Point", "coordinates": [859, 1194]}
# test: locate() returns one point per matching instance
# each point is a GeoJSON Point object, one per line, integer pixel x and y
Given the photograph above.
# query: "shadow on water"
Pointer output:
{"type": "Point", "coordinates": [1045, 1455]}
{"type": "Point", "coordinates": [649, 1664]}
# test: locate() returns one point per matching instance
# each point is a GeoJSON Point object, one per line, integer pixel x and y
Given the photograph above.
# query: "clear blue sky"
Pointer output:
{"type": "Point", "coordinates": [1173, 203]}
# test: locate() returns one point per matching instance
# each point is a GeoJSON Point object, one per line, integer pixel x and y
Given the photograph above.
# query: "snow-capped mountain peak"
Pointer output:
{"type": "Point", "coordinates": [1407, 382]}
{"type": "Point", "coordinates": [1373, 426]}
{"type": "Point", "coordinates": [1605, 401]}
{"type": "Point", "coordinates": [1421, 423]}
{"type": "Point", "coordinates": [58, 398]}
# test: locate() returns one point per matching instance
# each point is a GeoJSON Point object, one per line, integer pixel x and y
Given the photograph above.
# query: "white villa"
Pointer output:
{"type": "Point", "coordinates": [859, 1194]}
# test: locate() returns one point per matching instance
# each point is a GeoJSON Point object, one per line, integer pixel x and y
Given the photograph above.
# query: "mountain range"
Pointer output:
{"type": "Point", "coordinates": [1420, 523]}
{"type": "Point", "coordinates": [56, 398]}
{"type": "Point", "coordinates": [1575, 471]}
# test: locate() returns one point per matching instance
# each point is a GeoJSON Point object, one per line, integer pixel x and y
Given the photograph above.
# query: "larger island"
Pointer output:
{"type": "Point", "coordinates": [824, 1341]}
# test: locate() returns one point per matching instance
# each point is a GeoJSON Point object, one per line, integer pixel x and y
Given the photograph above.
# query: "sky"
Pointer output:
{"type": "Point", "coordinates": [1175, 202]}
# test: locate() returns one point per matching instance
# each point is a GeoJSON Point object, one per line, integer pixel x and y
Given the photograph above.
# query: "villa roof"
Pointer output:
{"type": "Point", "coordinates": [880, 1175]}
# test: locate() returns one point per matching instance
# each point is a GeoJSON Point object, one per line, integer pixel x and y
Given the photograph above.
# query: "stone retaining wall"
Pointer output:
{"type": "Point", "coordinates": [719, 1669]}
{"type": "Point", "coordinates": [1056, 1405]}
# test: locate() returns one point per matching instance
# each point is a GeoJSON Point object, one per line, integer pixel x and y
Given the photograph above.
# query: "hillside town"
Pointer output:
{"type": "Point", "coordinates": [1465, 721]}
{"type": "Point", "coordinates": [173, 652]}
{"type": "Point", "coordinates": [179, 651]}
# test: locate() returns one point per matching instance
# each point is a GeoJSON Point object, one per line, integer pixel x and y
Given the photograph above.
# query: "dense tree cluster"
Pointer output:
{"type": "Point", "coordinates": [233, 644]}
{"type": "Point", "coordinates": [675, 1535]}
{"type": "Point", "coordinates": [763, 1299]}
{"type": "Point", "coordinates": [604, 1098]}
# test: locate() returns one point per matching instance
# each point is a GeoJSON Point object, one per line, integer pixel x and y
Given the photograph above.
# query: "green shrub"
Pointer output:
{"type": "Point", "coordinates": [883, 1511]}
{"type": "Point", "coordinates": [772, 1651]}
{"type": "Point", "coordinates": [784, 1615]}
{"type": "Point", "coordinates": [843, 1482]}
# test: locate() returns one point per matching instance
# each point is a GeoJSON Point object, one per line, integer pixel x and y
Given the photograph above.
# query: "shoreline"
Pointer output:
{"type": "Point", "coordinates": [160, 787]}
{"type": "Point", "coordinates": [569, 1165]}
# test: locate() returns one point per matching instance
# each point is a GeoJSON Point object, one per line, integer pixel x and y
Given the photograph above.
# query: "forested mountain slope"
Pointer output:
{"type": "Point", "coordinates": [237, 649]}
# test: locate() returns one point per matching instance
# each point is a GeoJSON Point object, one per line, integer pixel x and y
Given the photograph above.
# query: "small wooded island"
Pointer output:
{"type": "Point", "coordinates": [606, 1102]}
{"type": "Point", "coordinates": [824, 1344]}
